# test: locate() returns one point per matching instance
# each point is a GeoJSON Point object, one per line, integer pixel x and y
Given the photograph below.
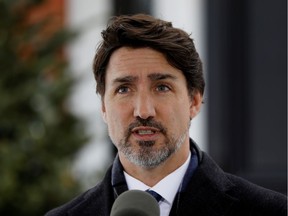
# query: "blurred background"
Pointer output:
{"type": "Point", "coordinates": [53, 142]}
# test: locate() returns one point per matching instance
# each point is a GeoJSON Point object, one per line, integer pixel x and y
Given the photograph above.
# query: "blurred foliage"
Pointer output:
{"type": "Point", "coordinates": [39, 136]}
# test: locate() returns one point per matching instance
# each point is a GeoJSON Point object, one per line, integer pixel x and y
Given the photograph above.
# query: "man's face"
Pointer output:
{"type": "Point", "coordinates": [146, 106]}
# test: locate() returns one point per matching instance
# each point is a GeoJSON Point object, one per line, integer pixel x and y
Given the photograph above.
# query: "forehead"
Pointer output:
{"type": "Point", "coordinates": [138, 62]}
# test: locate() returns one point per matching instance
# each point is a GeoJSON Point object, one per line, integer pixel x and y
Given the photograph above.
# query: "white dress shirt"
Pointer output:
{"type": "Point", "coordinates": [167, 187]}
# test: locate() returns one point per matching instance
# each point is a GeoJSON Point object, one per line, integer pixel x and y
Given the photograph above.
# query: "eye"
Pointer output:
{"type": "Point", "coordinates": [122, 90]}
{"type": "Point", "coordinates": [163, 88]}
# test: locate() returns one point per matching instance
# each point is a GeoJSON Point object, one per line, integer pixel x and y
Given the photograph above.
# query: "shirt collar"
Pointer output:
{"type": "Point", "coordinates": [174, 180]}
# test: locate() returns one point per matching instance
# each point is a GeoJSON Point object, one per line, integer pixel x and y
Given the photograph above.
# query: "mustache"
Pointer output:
{"type": "Point", "coordinates": [149, 122]}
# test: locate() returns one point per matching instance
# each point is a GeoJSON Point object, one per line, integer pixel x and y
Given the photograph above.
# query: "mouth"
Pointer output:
{"type": "Point", "coordinates": [145, 133]}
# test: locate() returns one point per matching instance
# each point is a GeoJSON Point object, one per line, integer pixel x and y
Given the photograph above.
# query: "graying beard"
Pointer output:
{"type": "Point", "coordinates": [148, 159]}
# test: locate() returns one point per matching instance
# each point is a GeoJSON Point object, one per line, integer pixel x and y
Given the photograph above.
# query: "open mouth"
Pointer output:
{"type": "Point", "coordinates": [145, 132]}
{"type": "Point", "coordinates": [142, 131]}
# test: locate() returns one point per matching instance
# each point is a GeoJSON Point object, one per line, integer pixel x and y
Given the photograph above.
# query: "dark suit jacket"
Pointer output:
{"type": "Point", "coordinates": [209, 192]}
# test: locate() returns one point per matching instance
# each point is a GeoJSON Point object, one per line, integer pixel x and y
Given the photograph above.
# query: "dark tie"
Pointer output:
{"type": "Point", "coordinates": [157, 196]}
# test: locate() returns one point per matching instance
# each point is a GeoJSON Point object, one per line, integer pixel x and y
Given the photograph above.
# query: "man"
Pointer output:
{"type": "Point", "coordinates": [150, 79]}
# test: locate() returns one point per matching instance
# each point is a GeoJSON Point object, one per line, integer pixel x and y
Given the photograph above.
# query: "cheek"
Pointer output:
{"type": "Point", "coordinates": [117, 119]}
{"type": "Point", "coordinates": [113, 120]}
{"type": "Point", "coordinates": [181, 116]}
{"type": "Point", "coordinates": [114, 128]}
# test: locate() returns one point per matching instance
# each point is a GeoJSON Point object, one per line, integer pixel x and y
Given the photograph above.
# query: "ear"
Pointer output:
{"type": "Point", "coordinates": [103, 109]}
{"type": "Point", "coordinates": [196, 102]}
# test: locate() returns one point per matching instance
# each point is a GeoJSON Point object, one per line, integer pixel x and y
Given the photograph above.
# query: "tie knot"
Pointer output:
{"type": "Point", "coordinates": [157, 196]}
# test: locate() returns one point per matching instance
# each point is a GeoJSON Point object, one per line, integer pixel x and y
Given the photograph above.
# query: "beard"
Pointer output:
{"type": "Point", "coordinates": [144, 154]}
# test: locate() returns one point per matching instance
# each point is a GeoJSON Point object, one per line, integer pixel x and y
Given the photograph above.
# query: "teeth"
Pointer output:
{"type": "Point", "coordinates": [145, 132]}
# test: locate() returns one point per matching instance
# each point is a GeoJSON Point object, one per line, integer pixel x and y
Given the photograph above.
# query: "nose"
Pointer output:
{"type": "Point", "coordinates": [144, 106]}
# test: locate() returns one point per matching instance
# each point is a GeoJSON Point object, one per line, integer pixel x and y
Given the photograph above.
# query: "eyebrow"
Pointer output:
{"type": "Point", "coordinates": [152, 77]}
{"type": "Point", "coordinates": [125, 79]}
{"type": "Point", "coordinates": [161, 76]}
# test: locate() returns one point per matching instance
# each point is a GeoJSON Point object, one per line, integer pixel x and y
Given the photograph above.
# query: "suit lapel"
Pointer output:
{"type": "Point", "coordinates": [100, 199]}
{"type": "Point", "coordinates": [97, 201]}
{"type": "Point", "coordinates": [206, 193]}
{"type": "Point", "coordinates": [211, 204]}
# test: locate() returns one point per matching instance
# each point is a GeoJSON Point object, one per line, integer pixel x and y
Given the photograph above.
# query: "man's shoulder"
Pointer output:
{"type": "Point", "coordinates": [248, 196]}
{"type": "Point", "coordinates": [251, 194]}
{"type": "Point", "coordinates": [79, 200]}
{"type": "Point", "coordinates": [96, 199]}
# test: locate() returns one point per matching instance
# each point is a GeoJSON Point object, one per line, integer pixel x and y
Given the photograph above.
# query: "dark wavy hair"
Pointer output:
{"type": "Point", "coordinates": [142, 30]}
